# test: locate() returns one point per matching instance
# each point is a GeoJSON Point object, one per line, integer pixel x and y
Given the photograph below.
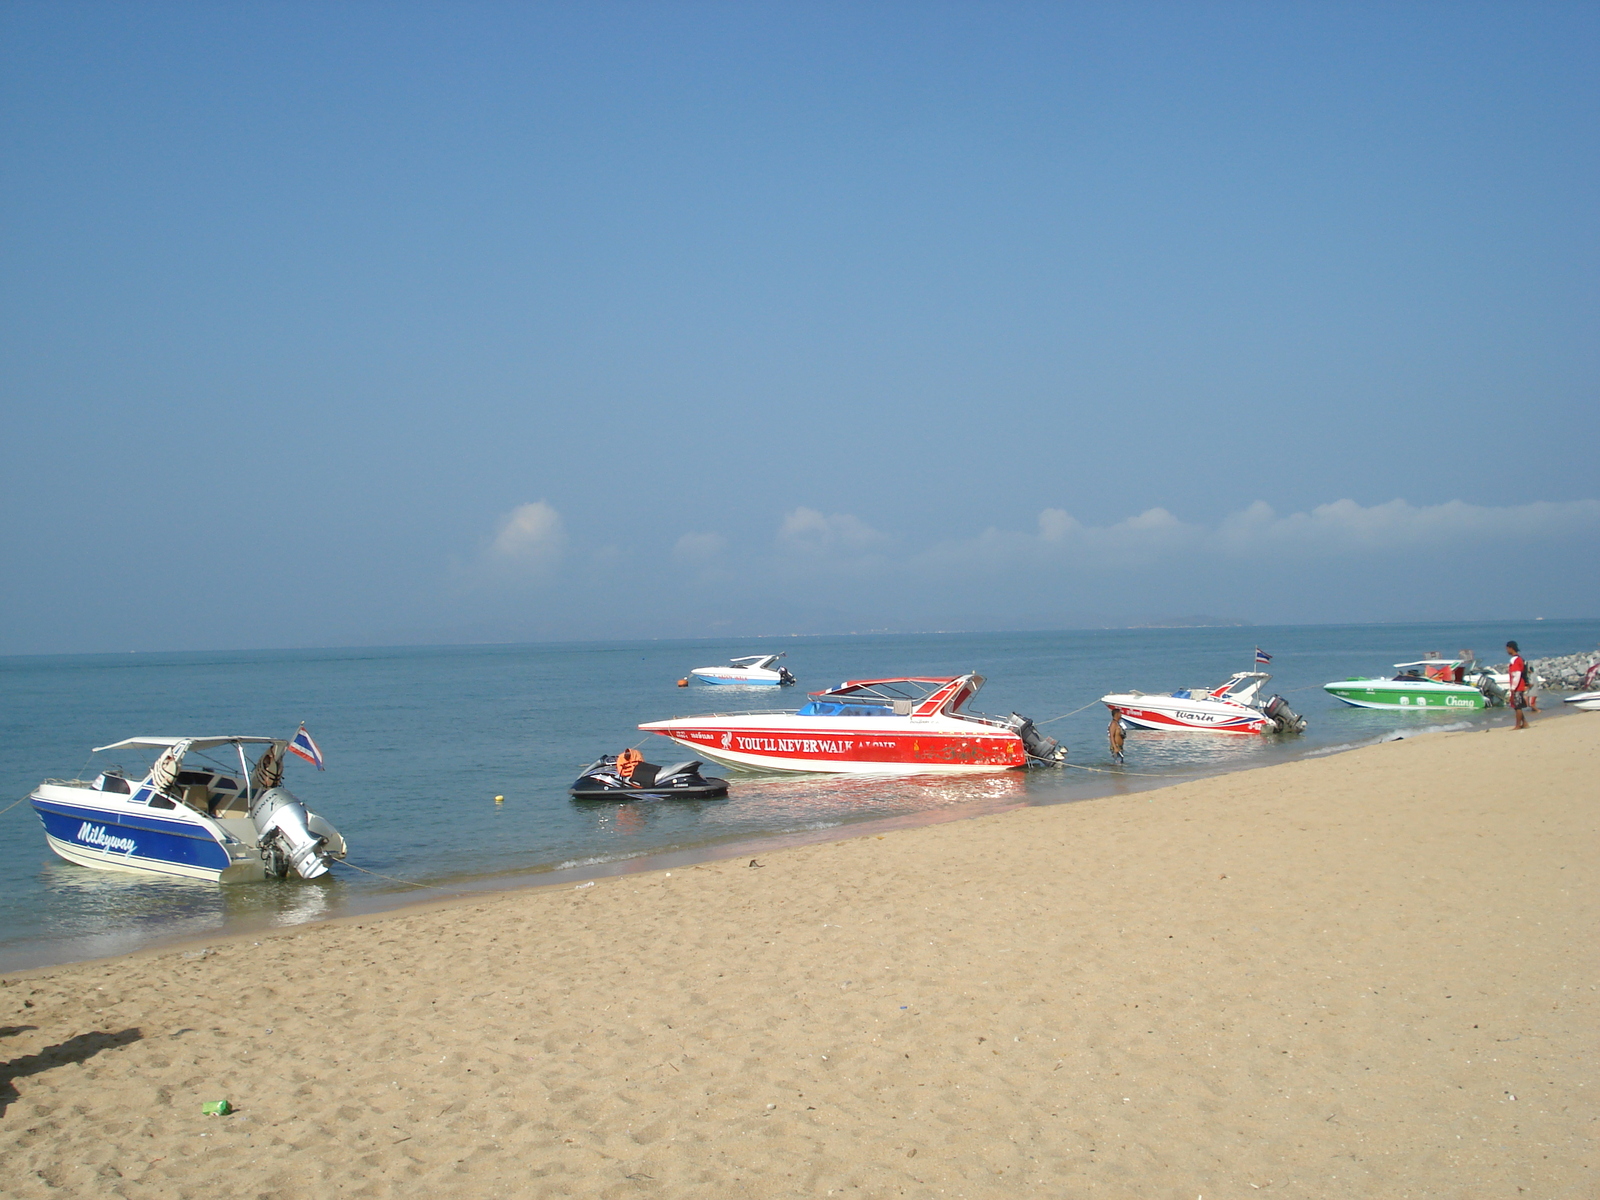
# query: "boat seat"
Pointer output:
{"type": "Point", "coordinates": [852, 708]}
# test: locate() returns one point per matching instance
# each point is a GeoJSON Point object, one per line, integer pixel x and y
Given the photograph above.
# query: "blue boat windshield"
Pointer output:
{"type": "Point", "coordinates": [836, 708]}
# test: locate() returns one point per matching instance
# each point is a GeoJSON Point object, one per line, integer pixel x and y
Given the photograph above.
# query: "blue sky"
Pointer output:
{"type": "Point", "coordinates": [434, 322]}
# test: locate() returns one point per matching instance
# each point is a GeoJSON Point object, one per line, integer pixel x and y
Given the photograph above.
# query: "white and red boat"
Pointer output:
{"type": "Point", "coordinates": [904, 726]}
{"type": "Point", "coordinates": [1233, 707]}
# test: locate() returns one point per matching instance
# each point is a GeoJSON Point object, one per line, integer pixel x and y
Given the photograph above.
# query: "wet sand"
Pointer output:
{"type": "Point", "coordinates": [1367, 975]}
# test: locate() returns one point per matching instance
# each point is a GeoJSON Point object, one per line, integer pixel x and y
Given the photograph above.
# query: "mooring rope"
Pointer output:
{"type": "Point", "coordinates": [1064, 716]}
{"type": "Point", "coordinates": [13, 804]}
{"type": "Point", "coordinates": [391, 878]}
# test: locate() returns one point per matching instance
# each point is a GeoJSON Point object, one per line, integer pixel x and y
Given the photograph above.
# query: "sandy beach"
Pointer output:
{"type": "Point", "coordinates": [1371, 974]}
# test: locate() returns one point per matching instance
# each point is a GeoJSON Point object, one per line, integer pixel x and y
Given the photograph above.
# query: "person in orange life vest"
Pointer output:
{"type": "Point", "coordinates": [1518, 670]}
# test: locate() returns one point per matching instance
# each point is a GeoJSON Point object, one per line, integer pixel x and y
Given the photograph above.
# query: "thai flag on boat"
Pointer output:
{"type": "Point", "coordinates": [1262, 656]}
{"type": "Point", "coordinates": [302, 745]}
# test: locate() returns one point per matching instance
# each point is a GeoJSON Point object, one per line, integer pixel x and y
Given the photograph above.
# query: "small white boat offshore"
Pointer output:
{"type": "Point", "coordinates": [1231, 707]}
{"type": "Point", "coordinates": [757, 670]}
{"type": "Point", "coordinates": [192, 815]}
{"type": "Point", "coordinates": [1431, 684]}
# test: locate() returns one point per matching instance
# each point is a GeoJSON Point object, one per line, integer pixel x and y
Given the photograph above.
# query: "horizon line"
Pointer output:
{"type": "Point", "coordinates": [1145, 628]}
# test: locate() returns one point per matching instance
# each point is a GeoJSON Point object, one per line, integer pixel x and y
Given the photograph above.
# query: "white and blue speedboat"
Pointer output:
{"type": "Point", "coordinates": [758, 670]}
{"type": "Point", "coordinates": [192, 814]}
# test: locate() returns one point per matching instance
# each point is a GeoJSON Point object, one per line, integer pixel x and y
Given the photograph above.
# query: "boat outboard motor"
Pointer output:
{"type": "Point", "coordinates": [1039, 747]}
{"type": "Point", "coordinates": [1493, 693]}
{"type": "Point", "coordinates": [1284, 718]}
{"type": "Point", "coordinates": [284, 828]}
{"type": "Point", "coordinates": [784, 677]}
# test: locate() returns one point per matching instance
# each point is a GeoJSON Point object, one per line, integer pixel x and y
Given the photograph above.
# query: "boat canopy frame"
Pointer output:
{"type": "Point", "coordinates": [904, 695]}
{"type": "Point", "coordinates": [199, 743]}
{"type": "Point", "coordinates": [919, 695]}
{"type": "Point", "coordinates": [180, 748]}
{"type": "Point", "coordinates": [1236, 688]}
{"type": "Point", "coordinates": [756, 662]}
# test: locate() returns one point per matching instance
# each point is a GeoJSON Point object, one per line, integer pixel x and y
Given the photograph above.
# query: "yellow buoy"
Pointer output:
{"type": "Point", "coordinates": [499, 799]}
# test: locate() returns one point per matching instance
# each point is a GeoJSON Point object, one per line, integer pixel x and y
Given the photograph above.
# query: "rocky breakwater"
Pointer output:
{"type": "Point", "coordinates": [1564, 673]}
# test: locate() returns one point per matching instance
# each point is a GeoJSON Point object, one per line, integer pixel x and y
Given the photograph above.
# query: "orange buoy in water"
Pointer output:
{"type": "Point", "coordinates": [683, 683]}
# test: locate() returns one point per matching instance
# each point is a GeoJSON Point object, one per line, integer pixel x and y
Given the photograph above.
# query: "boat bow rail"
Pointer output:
{"type": "Point", "coordinates": [738, 712]}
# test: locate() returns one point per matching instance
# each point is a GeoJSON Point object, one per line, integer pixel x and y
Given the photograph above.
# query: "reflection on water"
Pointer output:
{"type": "Point", "coordinates": [838, 798]}
{"type": "Point", "coordinates": [111, 912]}
{"type": "Point", "coordinates": [1177, 749]}
{"type": "Point", "coordinates": [123, 898]}
{"type": "Point", "coordinates": [126, 897]}
{"type": "Point", "coordinates": [769, 803]}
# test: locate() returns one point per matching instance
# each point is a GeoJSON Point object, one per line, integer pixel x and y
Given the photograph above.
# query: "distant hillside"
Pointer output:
{"type": "Point", "coordinates": [1194, 623]}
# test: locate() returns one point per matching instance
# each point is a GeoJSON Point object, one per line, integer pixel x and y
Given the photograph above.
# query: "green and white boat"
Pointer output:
{"type": "Point", "coordinates": [1432, 685]}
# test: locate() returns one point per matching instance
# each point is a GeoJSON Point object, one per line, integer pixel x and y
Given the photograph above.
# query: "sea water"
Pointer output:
{"type": "Point", "coordinates": [419, 740]}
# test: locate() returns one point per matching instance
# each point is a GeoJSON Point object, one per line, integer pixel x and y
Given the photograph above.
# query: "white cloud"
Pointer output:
{"type": "Point", "coordinates": [1341, 529]}
{"type": "Point", "coordinates": [530, 537]}
{"type": "Point", "coordinates": [1342, 561]}
{"type": "Point", "coordinates": [699, 547]}
{"type": "Point", "coordinates": [1056, 524]}
{"type": "Point", "coordinates": [1349, 527]}
{"type": "Point", "coordinates": [1344, 526]}
{"type": "Point", "coordinates": [1063, 540]}
{"type": "Point", "coordinates": [808, 531]}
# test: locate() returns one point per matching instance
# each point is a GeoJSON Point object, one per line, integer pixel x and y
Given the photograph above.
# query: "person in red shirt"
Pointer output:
{"type": "Point", "coordinates": [1518, 670]}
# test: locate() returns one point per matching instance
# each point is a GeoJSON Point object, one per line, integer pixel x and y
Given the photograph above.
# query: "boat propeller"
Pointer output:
{"type": "Point", "coordinates": [1041, 749]}
{"type": "Point", "coordinates": [1283, 718]}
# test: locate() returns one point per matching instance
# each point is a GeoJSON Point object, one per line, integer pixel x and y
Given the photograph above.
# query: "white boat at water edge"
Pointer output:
{"type": "Point", "coordinates": [191, 816]}
{"type": "Point", "coordinates": [1234, 706]}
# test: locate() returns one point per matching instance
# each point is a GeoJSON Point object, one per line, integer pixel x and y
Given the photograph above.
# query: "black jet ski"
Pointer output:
{"type": "Point", "coordinates": [626, 776]}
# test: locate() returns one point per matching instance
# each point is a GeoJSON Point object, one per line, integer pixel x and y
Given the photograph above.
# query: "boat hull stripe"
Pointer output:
{"type": "Point", "coordinates": [108, 838]}
{"type": "Point", "coordinates": [1150, 719]}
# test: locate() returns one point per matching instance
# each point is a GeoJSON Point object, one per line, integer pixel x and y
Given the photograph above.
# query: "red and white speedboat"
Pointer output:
{"type": "Point", "coordinates": [1233, 707]}
{"type": "Point", "coordinates": [904, 726]}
